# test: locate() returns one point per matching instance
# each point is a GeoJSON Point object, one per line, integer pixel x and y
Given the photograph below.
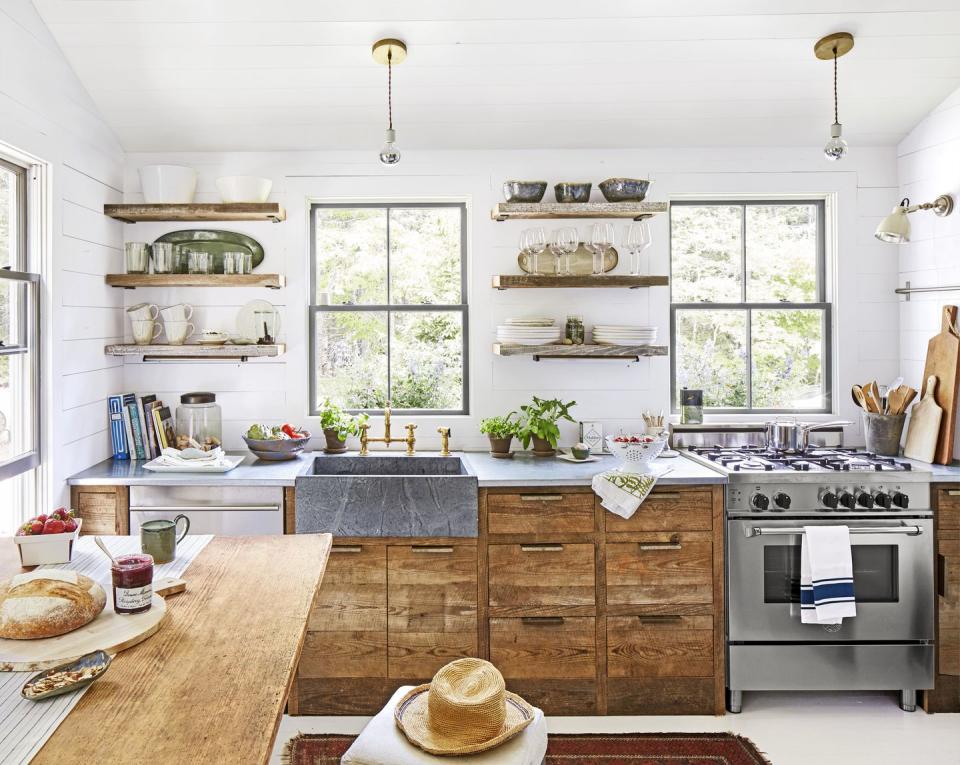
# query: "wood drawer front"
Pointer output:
{"type": "Point", "coordinates": [418, 655]}
{"type": "Point", "coordinates": [660, 646]}
{"type": "Point", "coordinates": [98, 511]}
{"type": "Point", "coordinates": [343, 654]}
{"type": "Point", "coordinates": [537, 577]}
{"type": "Point", "coordinates": [432, 588]}
{"type": "Point", "coordinates": [948, 508]}
{"type": "Point", "coordinates": [667, 510]}
{"type": "Point", "coordinates": [343, 696]}
{"type": "Point", "coordinates": [539, 513]}
{"type": "Point", "coordinates": [662, 696]}
{"type": "Point", "coordinates": [948, 602]}
{"type": "Point", "coordinates": [662, 569]}
{"type": "Point", "coordinates": [544, 648]}
{"type": "Point", "coordinates": [353, 594]}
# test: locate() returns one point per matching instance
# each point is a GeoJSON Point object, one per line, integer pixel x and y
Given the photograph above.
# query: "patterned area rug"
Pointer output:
{"type": "Point", "coordinates": [603, 749]}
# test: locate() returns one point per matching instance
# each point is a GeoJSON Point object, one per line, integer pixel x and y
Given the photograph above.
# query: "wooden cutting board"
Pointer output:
{"type": "Point", "coordinates": [943, 362]}
{"type": "Point", "coordinates": [110, 631]}
{"type": "Point", "coordinates": [924, 428]}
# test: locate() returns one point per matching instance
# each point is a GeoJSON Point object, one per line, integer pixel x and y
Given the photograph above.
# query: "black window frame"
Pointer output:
{"type": "Point", "coordinates": [462, 308]}
{"type": "Point", "coordinates": [822, 304]}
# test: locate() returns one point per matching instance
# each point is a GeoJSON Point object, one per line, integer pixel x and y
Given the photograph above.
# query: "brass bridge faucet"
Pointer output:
{"type": "Point", "coordinates": [410, 440]}
{"type": "Point", "coordinates": [444, 441]}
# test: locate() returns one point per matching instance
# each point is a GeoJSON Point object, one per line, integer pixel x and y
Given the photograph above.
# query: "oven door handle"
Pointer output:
{"type": "Point", "coordinates": [757, 531]}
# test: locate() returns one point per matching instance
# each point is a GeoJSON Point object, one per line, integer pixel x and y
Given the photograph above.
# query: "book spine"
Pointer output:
{"type": "Point", "coordinates": [143, 429]}
{"type": "Point", "coordinates": [118, 432]}
{"type": "Point", "coordinates": [137, 431]}
{"type": "Point", "coordinates": [151, 429]}
{"type": "Point", "coordinates": [128, 429]}
{"type": "Point", "coordinates": [158, 426]}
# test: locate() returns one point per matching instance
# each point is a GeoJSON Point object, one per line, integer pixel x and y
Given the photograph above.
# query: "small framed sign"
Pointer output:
{"type": "Point", "coordinates": [591, 433]}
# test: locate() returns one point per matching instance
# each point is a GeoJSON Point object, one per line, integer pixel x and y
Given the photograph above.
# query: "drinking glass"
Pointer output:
{"type": "Point", "coordinates": [232, 262]}
{"type": "Point", "coordinates": [563, 244]}
{"type": "Point", "coordinates": [164, 257]}
{"type": "Point", "coordinates": [599, 241]}
{"type": "Point", "coordinates": [637, 240]}
{"type": "Point", "coordinates": [198, 262]}
{"type": "Point", "coordinates": [138, 257]}
{"type": "Point", "coordinates": [533, 241]}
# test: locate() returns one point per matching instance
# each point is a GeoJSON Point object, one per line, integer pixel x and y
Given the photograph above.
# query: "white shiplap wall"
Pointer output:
{"type": "Point", "coordinates": [928, 162]}
{"type": "Point", "coordinates": [46, 113]}
{"type": "Point", "coordinates": [863, 280]}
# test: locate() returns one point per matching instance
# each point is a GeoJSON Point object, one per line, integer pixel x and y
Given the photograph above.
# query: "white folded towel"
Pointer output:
{"type": "Point", "coordinates": [826, 575]}
{"type": "Point", "coordinates": [622, 493]}
{"type": "Point", "coordinates": [192, 457]}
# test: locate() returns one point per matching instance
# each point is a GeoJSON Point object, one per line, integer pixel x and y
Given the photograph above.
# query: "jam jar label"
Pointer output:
{"type": "Point", "coordinates": [132, 598]}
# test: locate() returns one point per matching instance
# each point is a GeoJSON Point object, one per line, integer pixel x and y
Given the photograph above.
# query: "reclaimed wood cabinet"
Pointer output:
{"type": "Point", "coordinates": [945, 695]}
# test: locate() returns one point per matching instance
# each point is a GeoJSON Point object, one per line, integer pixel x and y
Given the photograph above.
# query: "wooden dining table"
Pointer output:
{"type": "Point", "coordinates": [211, 685]}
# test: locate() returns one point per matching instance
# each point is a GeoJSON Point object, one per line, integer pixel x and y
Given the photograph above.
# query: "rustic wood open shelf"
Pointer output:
{"type": "Point", "coordinates": [144, 213]}
{"type": "Point", "coordinates": [195, 351]}
{"type": "Point", "coordinates": [132, 281]}
{"type": "Point", "coordinates": [523, 281]}
{"type": "Point", "coordinates": [579, 351]}
{"type": "Point", "coordinates": [556, 210]}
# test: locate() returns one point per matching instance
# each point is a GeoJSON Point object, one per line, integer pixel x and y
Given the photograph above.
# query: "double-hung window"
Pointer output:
{"type": "Point", "coordinates": [388, 319]}
{"type": "Point", "coordinates": [749, 317]}
{"type": "Point", "coordinates": [19, 351]}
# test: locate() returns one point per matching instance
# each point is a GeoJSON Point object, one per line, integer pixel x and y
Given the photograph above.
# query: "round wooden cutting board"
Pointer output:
{"type": "Point", "coordinates": [110, 632]}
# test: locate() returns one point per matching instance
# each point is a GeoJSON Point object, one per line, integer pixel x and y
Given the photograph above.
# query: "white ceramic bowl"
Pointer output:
{"type": "Point", "coordinates": [635, 454]}
{"type": "Point", "coordinates": [168, 184]}
{"type": "Point", "coordinates": [244, 188]}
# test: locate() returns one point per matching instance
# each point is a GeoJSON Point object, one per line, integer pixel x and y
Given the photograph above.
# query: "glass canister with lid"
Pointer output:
{"type": "Point", "coordinates": [199, 421]}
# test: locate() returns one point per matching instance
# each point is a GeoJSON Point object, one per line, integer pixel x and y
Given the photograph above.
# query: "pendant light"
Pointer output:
{"type": "Point", "coordinates": [826, 48]}
{"type": "Point", "coordinates": [390, 51]}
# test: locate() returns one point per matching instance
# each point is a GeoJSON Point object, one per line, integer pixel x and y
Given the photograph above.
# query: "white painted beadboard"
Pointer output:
{"type": "Point", "coordinates": [928, 161]}
{"type": "Point", "coordinates": [864, 273]}
{"type": "Point", "coordinates": [45, 112]}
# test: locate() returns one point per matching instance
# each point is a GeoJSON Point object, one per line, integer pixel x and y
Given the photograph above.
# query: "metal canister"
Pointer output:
{"type": "Point", "coordinates": [691, 406]}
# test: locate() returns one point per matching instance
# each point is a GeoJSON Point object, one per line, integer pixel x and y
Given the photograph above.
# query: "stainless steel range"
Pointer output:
{"type": "Point", "coordinates": [770, 497]}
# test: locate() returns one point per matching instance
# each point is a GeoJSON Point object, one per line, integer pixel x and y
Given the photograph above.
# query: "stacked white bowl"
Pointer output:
{"type": "Point", "coordinates": [529, 331]}
{"type": "Point", "coordinates": [623, 334]}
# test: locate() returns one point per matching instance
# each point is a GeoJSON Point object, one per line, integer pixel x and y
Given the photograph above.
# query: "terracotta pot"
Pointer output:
{"type": "Point", "coordinates": [500, 446]}
{"type": "Point", "coordinates": [542, 448]}
{"type": "Point", "coordinates": [334, 444]}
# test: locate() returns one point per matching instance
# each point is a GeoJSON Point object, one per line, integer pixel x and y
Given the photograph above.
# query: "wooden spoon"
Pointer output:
{"type": "Point", "coordinates": [859, 397]}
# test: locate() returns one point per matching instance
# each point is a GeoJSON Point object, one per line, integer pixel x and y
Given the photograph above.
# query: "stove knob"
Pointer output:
{"type": "Point", "coordinates": [782, 500]}
{"type": "Point", "coordinates": [882, 499]}
{"type": "Point", "coordinates": [901, 500]}
{"type": "Point", "coordinates": [864, 500]}
{"type": "Point", "coordinates": [760, 502]}
{"type": "Point", "coordinates": [847, 500]}
{"type": "Point", "coordinates": [829, 500]}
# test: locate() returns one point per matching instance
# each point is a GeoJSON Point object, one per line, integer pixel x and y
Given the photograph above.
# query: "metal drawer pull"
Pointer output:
{"type": "Point", "coordinates": [941, 575]}
{"type": "Point", "coordinates": [541, 497]}
{"type": "Point", "coordinates": [347, 548]}
{"type": "Point", "coordinates": [658, 619]}
{"type": "Point", "coordinates": [542, 619]}
{"type": "Point", "coordinates": [953, 492]}
{"type": "Point", "coordinates": [913, 531]}
{"type": "Point", "coordinates": [431, 549]}
{"type": "Point", "coordinates": [541, 548]}
{"type": "Point", "coordinates": [673, 544]}
{"type": "Point", "coordinates": [666, 495]}
{"type": "Point", "coordinates": [197, 508]}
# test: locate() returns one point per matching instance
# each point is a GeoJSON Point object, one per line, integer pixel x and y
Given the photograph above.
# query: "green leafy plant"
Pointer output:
{"type": "Point", "coordinates": [539, 419]}
{"type": "Point", "coordinates": [332, 417]}
{"type": "Point", "coordinates": [499, 427]}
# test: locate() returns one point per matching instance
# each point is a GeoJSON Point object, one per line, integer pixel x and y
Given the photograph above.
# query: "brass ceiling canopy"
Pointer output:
{"type": "Point", "coordinates": [390, 49]}
{"type": "Point", "coordinates": [838, 44]}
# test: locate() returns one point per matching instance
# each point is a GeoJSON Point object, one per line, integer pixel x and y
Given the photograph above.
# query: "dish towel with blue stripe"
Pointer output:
{"type": "Point", "coordinates": [826, 575]}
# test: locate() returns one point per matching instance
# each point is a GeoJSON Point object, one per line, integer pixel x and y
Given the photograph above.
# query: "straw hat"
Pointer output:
{"type": "Point", "coordinates": [465, 710]}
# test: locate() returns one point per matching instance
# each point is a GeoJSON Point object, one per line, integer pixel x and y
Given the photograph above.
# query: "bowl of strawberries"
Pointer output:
{"type": "Point", "coordinates": [636, 451]}
{"type": "Point", "coordinates": [48, 538]}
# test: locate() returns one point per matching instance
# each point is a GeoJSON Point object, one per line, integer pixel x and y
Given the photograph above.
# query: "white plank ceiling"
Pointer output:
{"type": "Point", "coordinates": [183, 75]}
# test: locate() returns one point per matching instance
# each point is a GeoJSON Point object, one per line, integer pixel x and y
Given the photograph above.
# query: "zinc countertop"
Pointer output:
{"type": "Point", "coordinates": [521, 470]}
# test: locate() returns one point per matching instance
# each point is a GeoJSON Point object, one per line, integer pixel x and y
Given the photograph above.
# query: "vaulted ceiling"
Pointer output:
{"type": "Point", "coordinates": [298, 74]}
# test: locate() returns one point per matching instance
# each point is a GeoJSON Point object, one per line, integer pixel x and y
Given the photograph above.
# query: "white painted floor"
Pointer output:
{"type": "Point", "coordinates": [791, 728]}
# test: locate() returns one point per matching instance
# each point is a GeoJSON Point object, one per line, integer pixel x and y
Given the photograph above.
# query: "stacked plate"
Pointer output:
{"type": "Point", "coordinates": [533, 331]}
{"type": "Point", "coordinates": [623, 334]}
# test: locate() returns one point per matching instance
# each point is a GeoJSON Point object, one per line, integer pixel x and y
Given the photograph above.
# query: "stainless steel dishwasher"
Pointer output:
{"type": "Point", "coordinates": [226, 511]}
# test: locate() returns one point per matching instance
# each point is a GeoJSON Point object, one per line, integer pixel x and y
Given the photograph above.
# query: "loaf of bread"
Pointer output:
{"type": "Point", "coordinates": [48, 602]}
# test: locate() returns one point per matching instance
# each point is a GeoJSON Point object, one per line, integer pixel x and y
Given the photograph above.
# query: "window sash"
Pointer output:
{"type": "Point", "coordinates": [390, 308]}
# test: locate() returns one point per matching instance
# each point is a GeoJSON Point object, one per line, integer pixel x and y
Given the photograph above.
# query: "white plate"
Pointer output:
{"type": "Point", "coordinates": [232, 461]}
{"type": "Point", "coordinates": [526, 330]}
{"type": "Point", "coordinates": [247, 321]}
{"type": "Point", "coordinates": [625, 327]}
{"type": "Point", "coordinates": [533, 320]}
{"type": "Point", "coordinates": [519, 341]}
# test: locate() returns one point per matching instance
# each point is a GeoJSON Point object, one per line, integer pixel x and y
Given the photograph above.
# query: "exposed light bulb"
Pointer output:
{"type": "Point", "coordinates": [389, 153]}
{"type": "Point", "coordinates": [836, 147]}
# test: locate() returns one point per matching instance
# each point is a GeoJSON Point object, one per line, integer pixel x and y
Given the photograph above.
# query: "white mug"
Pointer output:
{"type": "Point", "coordinates": [178, 312]}
{"type": "Point", "coordinates": [142, 312]}
{"type": "Point", "coordinates": [145, 331]}
{"type": "Point", "coordinates": [178, 331]}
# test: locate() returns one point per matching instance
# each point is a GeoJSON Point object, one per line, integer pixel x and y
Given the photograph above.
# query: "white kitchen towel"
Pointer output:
{"type": "Point", "coordinates": [826, 575]}
{"type": "Point", "coordinates": [622, 493]}
{"type": "Point", "coordinates": [192, 457]}
{"type": "Point", "coordinates": [26, 725]}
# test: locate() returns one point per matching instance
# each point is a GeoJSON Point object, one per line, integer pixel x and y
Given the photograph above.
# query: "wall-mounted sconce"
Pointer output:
{"type": "Point", "coordinates": [895, 228]}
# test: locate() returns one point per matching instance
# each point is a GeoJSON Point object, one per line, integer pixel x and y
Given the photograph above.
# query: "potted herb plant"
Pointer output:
{"type": "Point", "coordinates": [538, 424]}
{"type": "Point", "coordinates": [500, 431]}
{"type": "Point", "coordinates": [337, 425]}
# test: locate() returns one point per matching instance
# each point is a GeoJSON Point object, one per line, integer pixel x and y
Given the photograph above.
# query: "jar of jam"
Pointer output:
{"type": "Point", "coordinates": [132, 583]}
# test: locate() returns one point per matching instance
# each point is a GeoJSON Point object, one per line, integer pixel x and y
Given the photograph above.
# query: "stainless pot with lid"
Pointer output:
{"type": "Point", "coordinates": [790, 436]}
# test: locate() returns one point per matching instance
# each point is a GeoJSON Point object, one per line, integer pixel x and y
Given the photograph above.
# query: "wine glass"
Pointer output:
{"type": "Point", "coordinates": [536, 244]}
{"type": "Point", "coordinates": [564, 244]}
{"type": "Point", "coordinates": [529, 249]}
{"type": "Point", "coordinates": [637, 241]}
{"type": "Point", "coordinates": [599, 241]}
